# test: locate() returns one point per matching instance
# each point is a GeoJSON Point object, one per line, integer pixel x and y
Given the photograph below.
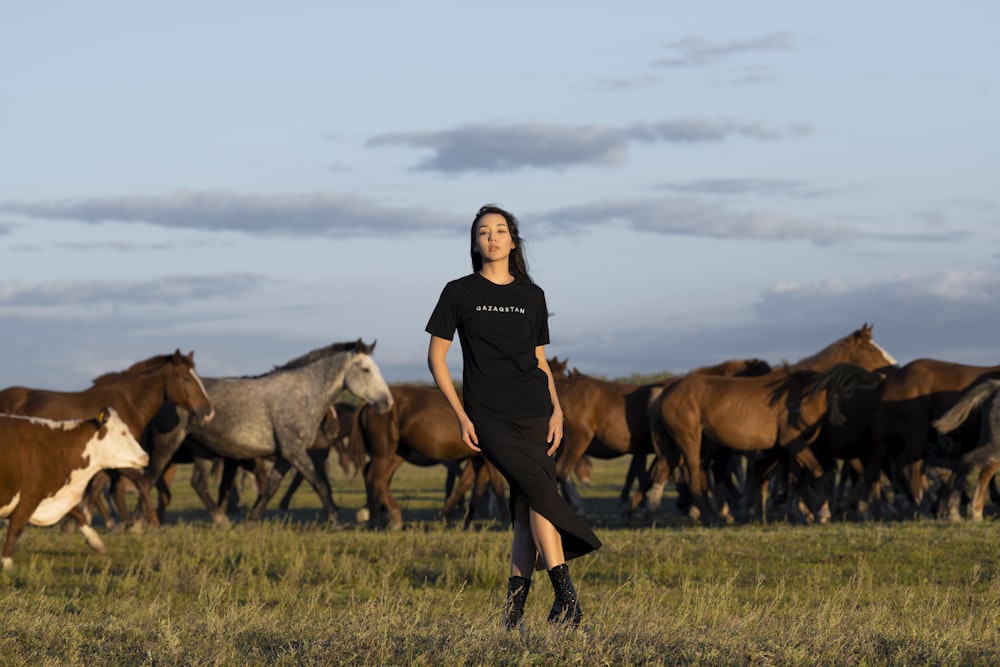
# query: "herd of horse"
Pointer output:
{"type": "Point", "coordinates": [844, 430]}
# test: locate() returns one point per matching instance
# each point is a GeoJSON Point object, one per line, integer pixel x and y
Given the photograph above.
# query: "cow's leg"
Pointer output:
{"type": "Point", "coordinates": [79, 514]}
{"type": "Point", "coordinates": [16, 523]}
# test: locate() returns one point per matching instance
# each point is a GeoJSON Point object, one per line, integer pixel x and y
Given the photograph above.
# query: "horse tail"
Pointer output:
{"type": "Point", "coordinates": [356, 445]}
{"type": "Point", "coordinates": [969, 401]}
{"type": "Point", "coordinates": [664, 445]}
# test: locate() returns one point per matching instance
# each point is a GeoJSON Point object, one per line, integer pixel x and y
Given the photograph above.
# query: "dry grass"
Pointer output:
{"type": "Point", "coordinates": [288, 591]}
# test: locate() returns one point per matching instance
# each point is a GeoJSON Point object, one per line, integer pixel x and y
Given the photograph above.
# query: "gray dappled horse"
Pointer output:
{"type": "Point", "coordinates": [274, 415]}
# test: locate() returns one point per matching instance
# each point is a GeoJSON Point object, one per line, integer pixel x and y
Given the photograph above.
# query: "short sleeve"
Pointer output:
{"type": "Point", "coordinates": [444, 318]}
{"type": "Point", "coordinates": [542, 327]}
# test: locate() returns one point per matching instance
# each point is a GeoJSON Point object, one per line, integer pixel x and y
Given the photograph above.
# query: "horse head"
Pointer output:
{"type": "Point", "coordinates": [364, 380]}
{"type": "Point", "coordinates": [558, 367]}
{"type": "Point", "coordinates": [865, 352]}
{"type": "Point", "coordinates": [184, 387]}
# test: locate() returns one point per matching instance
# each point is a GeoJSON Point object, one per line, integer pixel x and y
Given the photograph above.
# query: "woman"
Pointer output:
{"type": "Point", "coordinates": [511, 410]}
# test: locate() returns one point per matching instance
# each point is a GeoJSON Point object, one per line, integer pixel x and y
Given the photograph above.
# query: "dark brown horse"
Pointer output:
{"type": "Point", "coordinates": [135, 393]}
{"type": "Point", "coordinates": [782, 409]}
{"type": "Point", "coordinates": [606, 419]}
{"type": "Point", "coordinates": [902, 429]}
{"type": "Point", "coordinates": [981, 398]}
{"type": "Point", "coordinates": [421, 429]}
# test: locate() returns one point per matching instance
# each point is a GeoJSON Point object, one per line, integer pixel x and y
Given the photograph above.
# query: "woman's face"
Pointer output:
{"type": "Point", "coordinates": [493, 237]}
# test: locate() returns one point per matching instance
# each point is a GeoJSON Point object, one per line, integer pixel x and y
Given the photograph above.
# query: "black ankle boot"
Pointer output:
{"type": "Point", "coordinates": [513, 606]}
{"type": "Point", "coordinates": [566, 608]}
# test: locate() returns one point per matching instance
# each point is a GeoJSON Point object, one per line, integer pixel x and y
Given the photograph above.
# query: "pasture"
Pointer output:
{"type": "Point", "coordinates": [289, 590]}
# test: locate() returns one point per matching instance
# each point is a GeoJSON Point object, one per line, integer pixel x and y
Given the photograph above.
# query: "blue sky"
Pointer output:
{"type": "Point", "coordinates": [695, 181]}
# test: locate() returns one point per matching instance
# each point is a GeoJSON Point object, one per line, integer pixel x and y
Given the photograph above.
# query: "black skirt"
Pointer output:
{"type": "Point", "coordinates": [519, 451]}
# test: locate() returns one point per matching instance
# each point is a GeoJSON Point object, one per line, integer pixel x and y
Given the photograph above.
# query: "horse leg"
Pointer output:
{"type": "Point", "coordinates": [457, 493]}
{"type": "Point", "coordinates": [228, 495]}
{"type": "Point", "coordinates": [805, 485]}
{"type": "Point", "coordinates": [270, 486]}
{"type": "Point", "coordinates": [164, 496]}
{"type": "Point", "coordinates": [95, 498]}
{"type": "Point", "coordinates": [201, 476]}
{"type": "Point", "coordinates": [987, 458]}
{"type": "Point", "coordinates": [378, 475]}
{"type": "Point", "coordinates": [293, 486]}
{"type": "Point", "coordinates": [143, 486]}
{"type": "Point", "coordinates": [636, 473]}
{"type": "Point", "coordinates": [722, 484]}
{"type": "Point", "coordinates": [582, 470]}
{"type": "Point", "coordinates": [567, 456]}
{"type": "Point", "coordinates": [572, 496]}
{"type": "Point", "coordinates": [657, 477]}
{"type": "Point", "coordinates": [478, 490]}
{"type": "Point", "coordinates": [499, 485]}
{"type": "Point", "coordinates": [319, 456]}
{"type": "Point", "coordinates": [456, 471]}
{"type": "Point", "coordinates": [316, 477]}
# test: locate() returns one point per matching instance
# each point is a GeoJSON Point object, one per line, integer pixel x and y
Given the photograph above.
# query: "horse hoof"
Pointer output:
{"type": "Point", "coordinates": [362, 515]}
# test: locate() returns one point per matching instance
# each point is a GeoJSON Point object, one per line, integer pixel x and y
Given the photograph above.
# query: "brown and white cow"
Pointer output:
{"type": "Point", "coordinates": [45, 466]}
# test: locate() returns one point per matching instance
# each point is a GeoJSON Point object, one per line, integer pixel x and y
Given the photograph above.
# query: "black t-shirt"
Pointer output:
{"type": "Point", "coordinates": [499, 327]}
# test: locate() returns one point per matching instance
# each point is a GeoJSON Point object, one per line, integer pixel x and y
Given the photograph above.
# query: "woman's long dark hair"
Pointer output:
{"type": "Point", "coordinates": [518, 264]}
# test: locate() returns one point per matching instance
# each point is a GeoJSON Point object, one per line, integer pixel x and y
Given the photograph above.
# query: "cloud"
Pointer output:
{"type": "Point", "coordinates": [696, 52]}
{"type": "Point", "coordinates": [916, 302]}
{"type": "Point", "coordinates": [328, 216]}
{"type": "Point", "coordinates": [169, 291]}
{"type": "Point", "coordinates": [302, 215]}
{"type": "Point", "coordinates": [690, 217]}
{"type": "Point", "coordinates": [747, 186]}
{"type": "Point", "coordinates": [502, 148]}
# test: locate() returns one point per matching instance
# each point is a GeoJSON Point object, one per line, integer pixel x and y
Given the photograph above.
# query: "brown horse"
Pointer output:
{"type": "Point", "coordinates": [902, 429]}
{"type": "Point", "coordinates": [781, 409]}
{"type": "Point", "coordinates": [135, 393]}
{"type": "Point", "coordinates": [982, 397]}
{"type": "Point", "coordinates": [421, 429]}
{"type": "Point", "coordinates": [606, 419]}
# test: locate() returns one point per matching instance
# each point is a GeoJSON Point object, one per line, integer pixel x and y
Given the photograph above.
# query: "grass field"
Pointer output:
{"type": "Point", "coordinates": [289, 591]}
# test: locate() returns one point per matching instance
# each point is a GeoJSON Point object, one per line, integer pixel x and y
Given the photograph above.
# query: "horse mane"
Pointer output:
{"type": "Point", "coordinates": [735, 368]}
{"type": "Point", "coordinates": [839, 381]}
{"type": "Point", "coordinates": [145, 366]}
{"type": "Point", "coordinates": [313, 356]}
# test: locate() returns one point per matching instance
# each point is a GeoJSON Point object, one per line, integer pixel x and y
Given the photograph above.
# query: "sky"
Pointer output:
{"type": "Point", "coordinates": [695, 182]}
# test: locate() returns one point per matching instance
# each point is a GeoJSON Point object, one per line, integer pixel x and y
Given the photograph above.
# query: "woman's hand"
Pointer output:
{"type": "Point", "coordinates": [555, 432]}
{"type": "Point", "coordinates": [469, 434]}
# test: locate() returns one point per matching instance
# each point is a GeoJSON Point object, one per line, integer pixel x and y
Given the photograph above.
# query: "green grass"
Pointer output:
{"type": "Point", "coordinates": [290, 591]}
